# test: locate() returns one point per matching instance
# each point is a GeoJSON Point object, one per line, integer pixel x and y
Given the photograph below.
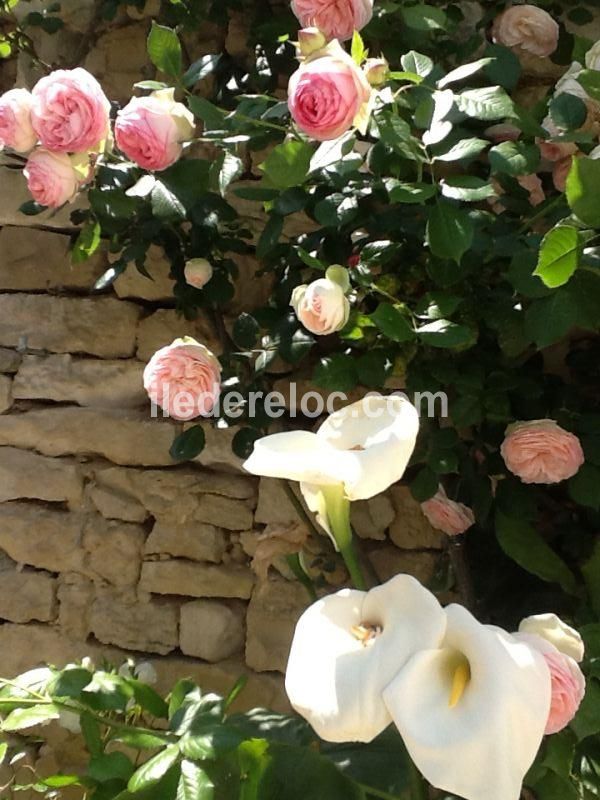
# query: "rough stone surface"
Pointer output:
{"type": "Point", "coordinates": [197, 542]}
{"type": "Point", "coordinates": [9, 360]}
{"type": "Point", "coordinates": [14, 194]}
{"type": "Point", "coordinates": [410, 529]}
{"type": "Point", "coordinates": [211, 630]}
{"type": "Point", "coordinates": [132, 283]}
{"type": "Point", "coordinates": [24, 474]}
{"type": "Point", "coordinates": [190, 578]}
{"type": "Point", "coordinates": [273, 503]}
{"type": "Point", "coordinates": [119, 59]}
{"type": "Point", "coordinates": [388, 561]}
{"type": "Point", "coordinates": [151, 626]}
{"type": "Point", "coordinates": [85, 381]}
{"type": "Point", "coordinates": [165, 325]}
{"type": "Point", "coordinates": [371, 518]}
{"type": "Point", "coordinates": [75, 597]}
{"type": "Point", "coordinates": [34, 260]}
{"type": "Point", "coordinates": [123, 437]}
{"type": "Point", "coordinates": [273, 612]}
{"type": "Point", "coordinates": [114, 505]}
{"type": "Point", "coordinates": [114, 550]}
{"type": "Point", "coordinates": [27, 595]}
{"type": "Point", "coordinates": [100, 326]}
{"type": "Point", "coordinates": [6, 397]}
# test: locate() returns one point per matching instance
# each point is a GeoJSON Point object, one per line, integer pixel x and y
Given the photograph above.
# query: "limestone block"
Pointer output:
{"type": "Point", "coordinates": [297, 391]}
{"type": "Point", "coordinates": [6, 396]}
{"type": "Point", "coordinates": [211, 630]}
{"type": "Point", "coordinates": [218, 453]}
{"type": "Point", "coordinates": [75, 597]}
{"type": "Point", "coordinates": [115, 505]}
{"type": "Point", "coordinates": [273, 612]}
{"type": "Point", "coordinates": [9, 360]}
{"type": "Point", "coordinates": [114, 550]}
{"type": "Point", "coordinates": [14, 193]}
{"type": "Point", "coordinates": [196, 580]}
{"type": "Point", "coordinates": [251, 290]}
{"type": "Point", "coordinates": [195, 541]}
{"type": "Point", "coordinates": [165, 325]}
{"type": "Point", "coordinates": [151, 626]}
{"type": "Point", "coordinates": [117, 60]}
{"type": "Point", "coordinates": [132, 283]}
{"type": "Point", "coordinates": [410, 528]}
{"type": "Point", "coordinates": [27, 595]}
{"type": "Point", "coordinates": [24, 474]}
{"type": "Point", "coordinates": [85, 381]}
{"type": "Point", "coordinates": [123, 437]}
{"type": "Point", "coordinates": [371, 518]}
{"type": "Point", "coordinates": [32, 260]}
{"type": "Point", "coordinates": [42, 538]}
{"type": "Point", "coordinates": [388, 561]}
{"type": "Point", "coordinates": [273, 503]}
{"type": "Point", "coordinates": [100, 326]}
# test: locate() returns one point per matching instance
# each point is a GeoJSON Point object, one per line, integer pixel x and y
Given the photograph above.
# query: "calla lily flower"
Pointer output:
{"type": "Point", "coordinates": [473, 709]}
{"type": "Point", "coordinates": [347, 648]}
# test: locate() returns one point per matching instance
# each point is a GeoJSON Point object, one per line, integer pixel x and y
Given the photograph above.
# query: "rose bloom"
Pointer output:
{"type": "Point", "coordinates": [16, 130]}
{"type": "Point", "coordinates": [51, 178]}
{"type": "Point", "coordinates": [541, 451]}
{"type": "Point", "coordinates": [447, 515]}
{"type": "Point", "coordinates": [70, 111]}
{"type": "Point", "coordinates": [527, 28]}
{"type": "Point", "coordinates": [560, 173]}
{"type": "Point", "coordinates": [551, 628]}
{"type": "Point", "coordinates": [150, 130]}
{"type": "Point", "coordinates": [198, 272]}
{"type": "Point", "coordinates": [321, 307]}
{"type": "Point", "coordinates": [338, 19]}
{"type": "Point", "coordinates": [327, 92]}
{"type": "Point", "coordinates": [533, 185]}
{"type": "Point", "coordinates": [184, 379]}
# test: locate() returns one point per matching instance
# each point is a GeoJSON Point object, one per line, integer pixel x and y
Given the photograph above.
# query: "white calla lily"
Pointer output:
{"type": "Point", "coordinates": [346, 649]}
{"type": "Point", "coordinates": [472, 712]}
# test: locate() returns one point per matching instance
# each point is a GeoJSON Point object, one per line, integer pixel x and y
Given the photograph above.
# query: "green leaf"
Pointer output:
{"type": "Point", "coordinates": [287, 164]}
{"type": "Point", "coordinates": [373, 368]}
{"type": "Point", "coordinates": [561, 308]}
{"type": "Point", "coordinates": [336, 210]}
{"type": "Point", "coordinates": [165, 205]}
{"type": "Point", "coordinates": [521, 542]}
{"type": "Point", "coordinates": [70, 682]}
{"type": "Point", "coordinates": [409, 193]}
{"type": "Point", "coordinates": [587, 719]}
{"type": "Point", "coordinates": [22, 718]}
{"type": "Point", "coordinates": [504, 68]}
{"type": "Point", "coordinates": [86, 243]}
{"type": "Point", "coordinates": [358, 49]}
{"type": "Point", "coordinates": [270, 235]}
{"type": "Point", "coordinates": [242, 443]}
{"type": "Point", "coordinates": [424, 485]}
{"type": "Point", "coordinates": [446, 334]}
{"type": "Point", "coordinates": [591, 576]}
{"type": "Point", "coordinates": [154, 769]}
{"type": "Point", "coordinates": [202, 68]}
{"type": "Point", "coordinates": [467, 188]}
{"type": "Point", "coordinates": [488, 103]}
{"type": "Point", "coordinates": [231, 168]}
{"type": "Point", "coordinates": [559, 257]}
{"type": "Point", "coordinates": [554, 787]}
{"type": "Point", "coordinates": [336, 373]}
{"type": "Point", "coordinates": [92, 735]}
{"type": "Point", "coordinates": [188, 444]}
{"type": "Point", "coordinates": [465, 148]}
{"type": "Point", "coordinates": [464, 71]}
{"type": "Point", "coordinates": [108, 766]}
{"type": "Point", "coordinates": [449, 231]}
{"type": "Point", "coordinates": [146, 697]}
{"type": "Point", "coordinates": [393, 322]}
{"type": "Point", "coordinates": [514, 158]}
{"type": "Point", "coordinates": [424, 18]}
{"type": "Point", "coordinates": [590, 80]}
{"type": "Point", "coordinates": [164, 49]}
{"type": "Point", "coordinates": [568, 111]}
{"type": "Point", "coordinates": [194, 783]}
{"type": "Point", "coordinates": [245, 331]}
{"type": "Point", "coordinates": [417, 63]}
{"type": "Point", "coordinates": [31, 209]}
{"type": "Point", "coordinates": [201, 108]}
{"type": "Point", "coordinates": [582, 190]}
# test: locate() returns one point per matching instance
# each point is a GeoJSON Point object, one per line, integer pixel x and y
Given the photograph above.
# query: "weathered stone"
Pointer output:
{"type": "Point", "coordinates": [132, 283]}
{"type": "Point", "coordinates": [100, 326]}
{"type": "Point", "coordinates": [410, 529]}
{"type": "Point", "coordinates": [273, 503]}
{"type": "Point", "coordinates": [24, 474]}
{"type": "Point", "coordinates": [115, 505]}
{"type": "Point", "coordinates": [75, 597]}
{"type": "Point", "coordinates": [114, 550]}
{"type": "Point", "coordinates": [371, 518]}
{"type": "Point", "coordinates": [42, 538]}
{"type": "Point", "coordinates": [32, 260]}
{"type": "Point", "coordinates": [273, 612]}
{"type": "Point", "coordinates": [197, 542]}
{"type": "Point", "coordinates": [196, 580]}
{"type": "Point", "coordinates": [166, 325]}
{"type": "Point", "coordinates": [85, 381]}
{"type": "Point", "coordinates": [15, 193]}
{"type": "Point", "coordinates": [6, 397]}
{"type": "Point", "coordinates": [211, 630]}
{"type": "Point", "coordinates": [388, 561]}
{"type": "Point", "coordinates": [123, 437]}
{"type": "Point", "coordinates": [27, 595]}
{"type": "Point", "coordinates": [151, 627]}
{"type": "Point", "coordinates": [9, 360]}
{"type": "Point", "coordinates": [301, 396]}
{"type": "Point", "coordinates": [252, 291]}
{"type": "Point", "coordinates": [218, 452]}
{"type": "Point", "coordinates": [119, 59]}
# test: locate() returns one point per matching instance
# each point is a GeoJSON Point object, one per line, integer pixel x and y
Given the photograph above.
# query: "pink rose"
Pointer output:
{"type": "Point", "coordinates": [16, 130]}
{"type": "Point", "coordinates": [338, 19]}
{"type": "Point", "coordinates": [321, 306]}
{"type": "Point", "coordinates": [567, 682]}
{"type": "Point", "coordinates": [533, 185]}
{"type": "Point", "coordinates": [447, 515]}
{"type": "Point", "coordinates": [198, 272]}
{"type": "Point", "coordinates": [541, 451]}
{"type": "Point", "coordinates": [70, 111]}
{"type": "Point", "coordinates": [527, 28]}
{"type": "Point", "coordinates": [327, 92]}
{"type": "Point", "coordinates": [51, 178]}
{"type": "Point", "coordinates": [560, 173]}
{"type": "Point", "coordinates": [150, 130]}
{"type": "Point", "coordinates": [184, 379]}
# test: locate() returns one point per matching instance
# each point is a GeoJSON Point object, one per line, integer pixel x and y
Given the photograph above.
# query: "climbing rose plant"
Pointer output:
{"type": "Point", "coordinates": [431, 220]}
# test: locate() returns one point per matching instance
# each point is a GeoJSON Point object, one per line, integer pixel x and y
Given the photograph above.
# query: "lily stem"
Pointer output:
{"type": "Point", "coordinates": [369, 790]}
{"type": "Point", "coordinates": [338, 514]}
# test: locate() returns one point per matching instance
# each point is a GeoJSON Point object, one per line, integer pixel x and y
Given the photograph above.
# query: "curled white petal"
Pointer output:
{"type": "Point", "coordinates": [550, 627]}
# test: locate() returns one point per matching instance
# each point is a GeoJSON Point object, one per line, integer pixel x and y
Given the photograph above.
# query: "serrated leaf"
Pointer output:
{"type": "Point", "coordinates": [194, 783]}
{"type": "Point", "coordinates": [465, 148]}
{"type": "Point", "coordinates": [22, 718]}
{"type": "Point", "coordinates": [287, 164]}
{"type": "Point", "coordinates": [154, 769]}
{"type": "Point", "coordinates": [165, 205]}
{"type": "Point", "coordinates": [449, 231]}
{"type": "Point", "coordinates": [393, 322]}
{"type": "Point", "coordinates": [488, 103]}
{"type": "Point", "coordinates": [417, 63]}
{"type": "Point", "coordinates": [559, 256]}
{"type": "Point", "coordinates": [514, 158]}
{"type": "Point", "coordinates": [231, 168]}
{"type": "Point", "coordinates": [164, 49]}
{"type": "Point", "coordinates": [464, 71]}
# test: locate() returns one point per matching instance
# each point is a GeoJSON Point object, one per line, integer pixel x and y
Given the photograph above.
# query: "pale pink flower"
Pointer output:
{"type": "Point", "coordinates": [540, 451]}
{"type": "Point", "coordinates": [51, 178]}
{"type": "Point", "coordinates": [560, 173]}
{"type": "Point", "coordinates": [528, 28]}
{"type": "Point", "coordinates": [184, 379]}
{"type": "Point", "coordinates": [533, 185]}
{"type": "Point", "coordinates": [338, 19]}
{"type": "Point", "coordinates": [70, 111]}
{"type": "Point", "coordinates": [198, 272]}
{"type": "Point", "coordinates": [16, 130]}
{"type": "Point", "coordinates": [321, 306]}
{"type": "Point", "coordinates": [554, 151]}
{"type": "Point", "coordinates": [151, 130]}
{"type": "Point", "coordinates": [447, 515]}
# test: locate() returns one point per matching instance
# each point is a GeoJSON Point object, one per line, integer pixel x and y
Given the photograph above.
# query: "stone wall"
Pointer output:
{"type": "Point", "coordinates": [107, 548]}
